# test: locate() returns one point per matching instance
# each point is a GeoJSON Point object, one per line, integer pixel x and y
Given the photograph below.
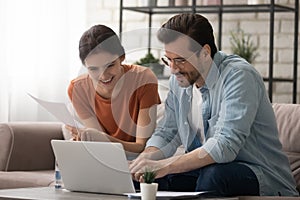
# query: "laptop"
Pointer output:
{"type": "Point", "coordinates": [97, 167]}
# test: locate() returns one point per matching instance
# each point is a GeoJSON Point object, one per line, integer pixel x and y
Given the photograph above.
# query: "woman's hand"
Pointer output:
{"type": "Point", "coordinates": [87, 134]}
{"type": "Point", "coordinates": [74, 132]}
{"type": "Point", "coordinates": [91, 134]}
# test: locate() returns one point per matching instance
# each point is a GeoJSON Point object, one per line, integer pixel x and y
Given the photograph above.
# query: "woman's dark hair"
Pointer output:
{"type": "Point", "coordinates": [195, 26]}
{"type": "Point", "coordinates": [97, 38]}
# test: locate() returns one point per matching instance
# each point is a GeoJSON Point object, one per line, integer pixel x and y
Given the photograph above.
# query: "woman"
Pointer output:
{"type": "Point", "coordinates": [116, 102]}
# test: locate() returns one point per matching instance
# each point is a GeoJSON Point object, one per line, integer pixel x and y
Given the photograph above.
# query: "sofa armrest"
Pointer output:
{"type": "Point", "coordinates": [288, 117]}
{"type": "Point", "coordinates": [26, 146]}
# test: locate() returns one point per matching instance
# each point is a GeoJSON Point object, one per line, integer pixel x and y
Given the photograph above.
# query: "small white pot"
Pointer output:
{"type": "Point", "coordinates": [148, 191]}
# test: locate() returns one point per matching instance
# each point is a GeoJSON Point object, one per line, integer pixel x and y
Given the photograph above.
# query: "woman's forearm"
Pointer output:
{"type": "Point", "coordinates": [133, 147]}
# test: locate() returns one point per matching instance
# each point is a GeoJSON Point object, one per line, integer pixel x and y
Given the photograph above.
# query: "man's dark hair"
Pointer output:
{"type": "Point", "coordinates": [97, 38]}
{"type": "Point", "coordinates": [195, 26]}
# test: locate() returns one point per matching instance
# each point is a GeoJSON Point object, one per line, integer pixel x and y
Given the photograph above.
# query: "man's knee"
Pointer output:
{"type": "Point", "coordinates": [228, 179]}
{"type": "Point", "coordinates": [210, 178]}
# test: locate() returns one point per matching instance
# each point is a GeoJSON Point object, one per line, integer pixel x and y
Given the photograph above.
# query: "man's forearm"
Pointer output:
{"type": "Point", "coordinates": [190, 161]}
{"type": "Point", "coordinates": [153, 153]}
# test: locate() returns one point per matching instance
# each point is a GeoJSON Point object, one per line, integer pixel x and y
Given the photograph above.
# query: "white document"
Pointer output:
{"type": "Point", "coordinates": [59, 111]}
{"type": "Point", "coordinates": [166, 194]}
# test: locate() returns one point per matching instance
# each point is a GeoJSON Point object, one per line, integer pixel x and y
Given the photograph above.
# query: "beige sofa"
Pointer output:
{"type": "Point", "coordinates": [26, 157]}
{"type": "Point", "coordinates": [288, 122]}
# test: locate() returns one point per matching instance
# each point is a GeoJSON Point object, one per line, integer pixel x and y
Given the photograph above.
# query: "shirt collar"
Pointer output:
{"type": "Point", "coordinates": [214, 71]}
{"type": "Point", "coordinates": [212, 76]}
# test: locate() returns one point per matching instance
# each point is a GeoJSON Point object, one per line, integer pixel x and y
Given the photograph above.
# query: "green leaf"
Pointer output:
{"type": "Point", "coordinates": [149, 176]}
{"type": "Point", "coordinates": [149, 58]}
{"type": "Point", "coordinates": [242, 45]}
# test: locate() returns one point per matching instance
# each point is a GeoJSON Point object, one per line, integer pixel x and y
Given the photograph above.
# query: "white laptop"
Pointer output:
{"type": "Point", "coordinates": [98, 167]}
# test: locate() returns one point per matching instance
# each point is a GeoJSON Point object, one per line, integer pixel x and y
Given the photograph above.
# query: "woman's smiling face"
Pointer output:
{"type": "Point", "coordinates": [105, 70]}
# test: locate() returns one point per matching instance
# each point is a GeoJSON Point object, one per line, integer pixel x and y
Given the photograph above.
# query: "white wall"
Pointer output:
{"type": "Point", "coordinates": [257, 24]}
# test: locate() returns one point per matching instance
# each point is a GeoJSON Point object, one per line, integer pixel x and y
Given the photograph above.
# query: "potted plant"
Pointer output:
{"type": "Point", "coordinates": [148, 188]}
{"type": "Point", "coordinates": [242, 45]}
{"type": "Point", "coordinates": [153, 63]}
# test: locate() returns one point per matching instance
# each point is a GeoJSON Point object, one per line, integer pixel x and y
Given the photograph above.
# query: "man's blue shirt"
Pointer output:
{"type": "Point", "coordinates": [239, 123]}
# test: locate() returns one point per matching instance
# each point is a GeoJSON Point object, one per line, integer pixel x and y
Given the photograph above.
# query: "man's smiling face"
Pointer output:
{"type": "Point", "coordinates": [187, 72]}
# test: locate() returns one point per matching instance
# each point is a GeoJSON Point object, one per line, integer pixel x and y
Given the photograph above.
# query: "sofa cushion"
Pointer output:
{"type": "Point", "coordinates": [288, 118]}
{"type": "Point", "coordinates": [28, 145]}
{"type": "Point", "coordinates": [21, 179]}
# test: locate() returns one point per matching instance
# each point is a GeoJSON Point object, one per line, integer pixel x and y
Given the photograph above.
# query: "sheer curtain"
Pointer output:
{"type": "Point", "coordinates": [38, 54]}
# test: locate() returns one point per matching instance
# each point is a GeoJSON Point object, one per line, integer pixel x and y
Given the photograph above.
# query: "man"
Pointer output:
{"type": "Point", "coordinates": [218, 109]}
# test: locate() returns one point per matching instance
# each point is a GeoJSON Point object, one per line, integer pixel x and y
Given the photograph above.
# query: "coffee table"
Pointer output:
{"type": "Point", "coordinates": [50, 193]}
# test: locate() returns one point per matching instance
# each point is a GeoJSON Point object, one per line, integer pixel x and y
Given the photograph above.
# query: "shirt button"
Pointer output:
{"type": "Point", "coordinates": [185, 123]}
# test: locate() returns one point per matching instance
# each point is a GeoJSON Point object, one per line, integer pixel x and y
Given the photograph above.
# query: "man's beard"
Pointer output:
{"type": "Point", "coordinates": [190, 78]}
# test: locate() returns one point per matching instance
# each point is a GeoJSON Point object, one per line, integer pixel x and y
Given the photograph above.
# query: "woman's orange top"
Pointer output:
{"type": "Point", "coordinates": [117, 116]}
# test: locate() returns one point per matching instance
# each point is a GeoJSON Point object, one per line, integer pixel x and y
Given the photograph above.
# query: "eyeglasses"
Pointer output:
{"type": "Point", "coordinates": [179, 62]}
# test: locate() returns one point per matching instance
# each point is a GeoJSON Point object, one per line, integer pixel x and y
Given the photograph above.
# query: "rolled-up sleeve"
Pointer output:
{"type": "Point", "coordinates": [230, 128]}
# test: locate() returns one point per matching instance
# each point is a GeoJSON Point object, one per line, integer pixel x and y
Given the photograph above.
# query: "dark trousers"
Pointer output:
{"type": "Point", "coordinates": [228, 179]}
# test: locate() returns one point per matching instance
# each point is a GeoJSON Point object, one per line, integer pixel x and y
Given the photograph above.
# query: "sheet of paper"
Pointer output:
{"type": "Point", "coordinates": [59, 111]}
{"type": "Point", "coordinates": [166, 194]}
